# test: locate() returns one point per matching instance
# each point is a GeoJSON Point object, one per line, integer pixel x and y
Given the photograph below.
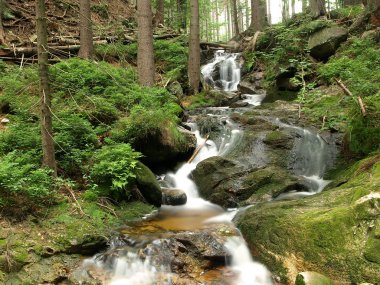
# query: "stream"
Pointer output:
{"type": "Point", "coordinates": [197, 243]}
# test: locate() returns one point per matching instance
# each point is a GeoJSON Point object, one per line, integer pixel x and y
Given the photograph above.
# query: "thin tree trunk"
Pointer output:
{"type": "Point", "coordinates": [269, 12]}
{"type": "Point", "coordinates": [160, 12]}
{"type": "Point", "coordinates": [46, 116]}
{"type": "Point", "coordinates": [2, 34]}
{"type": "Point", "coordinates": [229, 20]}
{"type": "Point", "coordinates": [86, 45]}
{"type": "Point", "coordinates": [182, 14]}
{"type": "Point", "coordinates": [194, 48]}
{"type": "Point", "coordinates": [217, 20]}
{"type": "Point", "coordinates": [247, 17]}
{"type": "Point", "coordinates": [305, 5]}
{"type": "Point", "coordinates": [235, 17]}
{"type": "Point", "coordinates": [241, 17]}
{"type": "Point", "coordinates": [145, 56]}
{"type": "Point", "coordinates": [293, 7]}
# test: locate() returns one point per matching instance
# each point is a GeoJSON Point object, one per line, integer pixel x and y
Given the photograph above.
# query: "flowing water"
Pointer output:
{"type": "Point", "coordinates": [141, 256]}
{"type": "Point", "coordinates": [223, 72]}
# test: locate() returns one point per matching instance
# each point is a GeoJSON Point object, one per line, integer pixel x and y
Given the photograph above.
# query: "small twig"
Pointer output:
{"type": "Point", "coordinates": [107, 208]}
{"type": "Point", "coordinates": [76, 201]}
{"type": "Point", "coordinates": [348, 93]}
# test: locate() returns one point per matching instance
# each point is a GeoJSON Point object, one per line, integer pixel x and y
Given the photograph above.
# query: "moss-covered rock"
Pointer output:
{"type": "Point", "coordinates": [44, 249]}
{"type": "Point", "coordinates": [148, 185]}
{"type": "Point", "coordinates": [325, 42]}
{"type": "Point", "coordinates": [334, 232]}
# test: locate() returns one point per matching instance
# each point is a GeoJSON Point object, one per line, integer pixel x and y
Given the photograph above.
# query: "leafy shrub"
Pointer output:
{"type": "Point", "coordinates": [113, 170]}
{"type": "Point", "coordinates": [75, 141]}
{"type": "Point", "coordinates": [23, 185]}
{"type": "Point", "coordinates": [20, 136]}
{"type": "Point", "coordinates": [365, 131]}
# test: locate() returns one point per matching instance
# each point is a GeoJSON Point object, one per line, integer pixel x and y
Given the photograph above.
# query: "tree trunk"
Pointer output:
{"type": "Point", "coordinates": [235, 17]}
{"type": "Point", "coordinates": [194, 48]}
{"type": "Point", "coordinates": [86, 45]}
{"type": "Point", "coordinates": [269, 12]}
{"type": "Point", "coordinates": [2, 34]}
{"type": "Point", "coordinates": [305, 5]}
{"type": "Point", "coordinates": [373, 5]}
{"type": "Point", "coordinates": [145, 56]}
{"type": "Point", "coordinates": [229, 20]}
{"type": "Point", "coordinates": [247, 17]}
{"type": "Point", "coordinates": [285, 10]}
{"type": "Point", "coordinates": [182, 14]}
{"type": "Point", "coordinates": [318, 8]}
{"type": "Point", "coordinates": [46, 116]}
{"type": "Point", "coordinates": [217, 20]}
{"type": "Point", "coordinates": [255, 15]}
{"type": "Point", "coordinates": [159, 17]}
{"type": "Point", "coordinates": [293, 2]}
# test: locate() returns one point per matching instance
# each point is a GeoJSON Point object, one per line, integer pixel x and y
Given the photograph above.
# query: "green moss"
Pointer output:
{"type": "Point", "coordinates": [328, 231]}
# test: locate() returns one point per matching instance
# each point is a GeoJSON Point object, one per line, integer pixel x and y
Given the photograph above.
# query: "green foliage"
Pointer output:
{"type": "Point", "coordinates": [365, 131]}
{"type": "Point", "coordinates": [249, 61]}
{"type": "Point", "coordinates": [113, 170]}
{"type": "Point", "coordinates": [354, 66]}
{"type": "Point", "coordinates": [20, 136]}
{"type": "Point", "coordinates": [101, 10]}
{"type": "Point", "coordinates": [349, 12]}
{"type": "Point", "coordinates": [23, 185]}
{"type": "Point", "coordinates": [170, 56]}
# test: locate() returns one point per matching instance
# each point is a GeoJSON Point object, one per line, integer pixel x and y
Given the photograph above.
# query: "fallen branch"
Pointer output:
{"type": "Point", "coordinates": [198, 149]}
{"type": "Point", "coordinates": [217, 45]}
{"type": "Point", "coordinates": [349, 93]}
{"type": "Point", "coordinates": [76, 201]}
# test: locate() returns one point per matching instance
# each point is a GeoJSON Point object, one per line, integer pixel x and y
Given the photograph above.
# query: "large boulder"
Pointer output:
{"type": "Point", "coordinates": [336, 232]}
{"type": "Point", "coordinates": [325, 42]}
{"type": "Point", "coordinates": [148, 185]}
{"type": "Point", "coordinates": [166, 147]}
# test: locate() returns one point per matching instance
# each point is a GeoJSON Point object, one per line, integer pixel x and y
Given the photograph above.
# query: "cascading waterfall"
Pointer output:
{"type": "Point", "coordinates": [223, 72]}
{"type": "Point", "coordinates": [313, 155]}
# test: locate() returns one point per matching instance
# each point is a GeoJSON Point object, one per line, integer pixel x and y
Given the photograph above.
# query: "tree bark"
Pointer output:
{"type": "Point", "coordinates": [145, 56]}
{"type": "Point", "coordinates": [2, 34]}
{"type": "Point", "coordinates": [235, 17]}
{"type": "Point", "coordinates": [46, 116]}
{"type": "Point", "coordinates": [318, 8]}
{"type": "Point", "coordinates": [269, 12]}
{"type": "Point", "coordinates": [256, 22]}
{"type": "Point", "coordinates": [86, 44]}
{"type": "Point", "coordinates": [160, 12]}
{"type": "Point", "coordinates": [194, 48]}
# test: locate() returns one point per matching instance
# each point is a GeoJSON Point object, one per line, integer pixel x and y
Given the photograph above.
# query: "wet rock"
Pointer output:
{"type": "Point", "coordinates": [278, 139]}
{"type": "Point", "coordinates": [173, 197]}
{"type": "Point", "coordinates": [224, 98]}
{"type": "Point", "coordinates": [212, 171]}
{"type": "Point", "coordinates": [246, 87]}
{"type": "Point", "coordinates": [339, 226]}
{"type": "Point", "coordinates": [325, 42]}
{"type": "Point", "coordinates": [148, 185]}
{"type": "Point", "coordinates": [86, 245]}
{"type": "Point", "coordinates": [164, 147]}
{"type": "Point", "coordinates": [239, 104]}
{"type": "Point", "coordinates": [312, 278]}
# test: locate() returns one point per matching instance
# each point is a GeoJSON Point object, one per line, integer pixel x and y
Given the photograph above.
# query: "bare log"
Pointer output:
{"type": "Point", "coordinates": [198, 150]}
{"type": "Point", "coordinates": [217, 45]}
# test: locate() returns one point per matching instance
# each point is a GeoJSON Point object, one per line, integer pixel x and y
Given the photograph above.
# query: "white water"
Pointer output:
{"type": "Point", "coordinates": [228, 76]}
{"type": "Point", "coordinates": [310, 164]}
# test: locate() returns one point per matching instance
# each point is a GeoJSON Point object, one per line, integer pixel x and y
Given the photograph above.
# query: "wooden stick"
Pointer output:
{"type": "Point", "coordinates": [362, 107]}
{"type": "Point", "coordinates": [198, 150]}
{"type": "Point", "coordinates": [76, 201]}
{"type": "Point", "coordinates": [349, 93]}
{"type": "Point", "coordinates": [344, 88]}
